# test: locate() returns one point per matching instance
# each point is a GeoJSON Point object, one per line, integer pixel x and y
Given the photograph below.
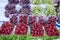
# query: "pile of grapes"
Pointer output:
{"type": "Point", "coordinates": [37, 10]}
{"type": "Point", "coordinates": [50, 10]}
{"type": "Point", "coordinates": [20, 21]}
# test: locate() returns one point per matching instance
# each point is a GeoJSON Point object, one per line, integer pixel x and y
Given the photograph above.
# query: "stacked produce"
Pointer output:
{"type": "Point", "coordinates": [37, 30]}
{"type": "Point", "coordinates": [50, 28]}
{"type": "Point", "coordinates": [7, 28]}
{"type": "Point", "coordinates": [42, 22]}
{"type": "Point", "coordinates": [21, 29]}
{"type": "Point", "coordinates": [50, 10]}
{"type": "Point", "coordinates": [37, 10]}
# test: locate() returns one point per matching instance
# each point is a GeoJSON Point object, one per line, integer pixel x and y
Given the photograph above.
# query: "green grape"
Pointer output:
{"type": "Point", "coordinates": [36, 10]}
{"type": "Point", "coordinates": [48, 1]}
{"type": "Point", "coordinates": [36, 2]}
{"type": "Point", "coordinates": [50, 10]}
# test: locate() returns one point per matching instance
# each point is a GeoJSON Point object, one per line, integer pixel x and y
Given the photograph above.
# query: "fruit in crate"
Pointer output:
{"type": "Point", "coordinates": [21, 29]}
{"type": "Point", "coordinates": [24, 2]}
{"type": "Point", "coordinates": [14, 20]}
{"type": "Point", "coordinates": [10, 6]}
{"type": "Point", "coordinates": [48, 2]}
{"type": "Point", "coordinates": [13, 1]}
{"type": "Point", "coordinates": [37, 2]}
{"type": "Point", "coordinates": [37, 10]}
{"type": "Point", "coordinates": [37, 30]}
{"type": "Point", "coordinates": [23, 18]}
{"type": "Point", "coordinates": [50, 10]}
{"type": "Point", "coordinates": [7, 28]}
{"type": "Point", "coordinates": [51, 30]}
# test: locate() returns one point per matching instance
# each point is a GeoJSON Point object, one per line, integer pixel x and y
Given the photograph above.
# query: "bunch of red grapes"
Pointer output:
{"type": "Point", "coordinates": [23, 18]}
{"type": "Point", "coordinates": [37, 30]}
{"type": "Point", "coordinates": [21, 29]}
{"type": "Point", "coordinates": [50, 28]}
{"type": "Point", "coordinates": [52, 20]}
{"type": "Point", "coordinates": [32, 19]}
{"type": "Point", "coordinates": [7, 28]}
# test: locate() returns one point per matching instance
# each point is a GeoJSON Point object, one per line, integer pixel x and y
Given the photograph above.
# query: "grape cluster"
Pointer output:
{"type": "Point", "coordinates": [32, 19]}
{"type": "Point", "coordinates": [37, 30]}
{"type": "Point", "coordinates": [24, 2]}
{"type": "Point", "coordinates": [25, 10]}
{"type": "Point", "coordinates": [37, 10]}
{"type": "Point", "coordinates": [50, 10]}
{"type": "Point", "coordinates": [36, 2]}
{"type": "Point", "coordinates": [21, 29]}
{"type": "Point", "coordinates": [51, 30]}
{"type": "Point", "coordinates": [7, 28]}
{"type": "Point", "coordinates": [10, 9]}
{"type": "Point", "coordinates": [23, 19]}
{"type": "Point", "coordinates": [52, 20]}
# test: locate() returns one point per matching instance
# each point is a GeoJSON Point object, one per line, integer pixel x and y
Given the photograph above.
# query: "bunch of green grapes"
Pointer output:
{"type": "Point", "coordinates": [36, 10]}
{"type": "Point", "coordinates": [50, 10]}
{"type": "Point", "coordinates": [36, 2]}
{"type": "Point", "coordinates": [48, 2]}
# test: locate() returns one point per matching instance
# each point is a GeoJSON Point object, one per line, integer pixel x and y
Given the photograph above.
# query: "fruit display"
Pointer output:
{"type": "Point", "coordinates": [51, 30]}
{"type": "Point", "coordinates": [21, 29]}
{"type": "Point", "coordinates": [7, 28]}
{"type": "Point", "coordinates": [50, 10]}
{"type": "Point", "coordinates": [36, 10]}
{"type": "Point", "coordinates": [37, 30]}
{"type": "Point", "coordinates": [36, 2]}
{"type": "Point", "coordinates": [30, 20]}
{"type": "Point", "coordinates": [23, 18]}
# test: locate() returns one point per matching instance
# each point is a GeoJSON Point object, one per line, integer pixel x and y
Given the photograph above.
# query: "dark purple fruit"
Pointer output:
{"type": "Point", "coordinates": [13, 1]}
{"type": "Point", "coordinates": [10, 6]}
